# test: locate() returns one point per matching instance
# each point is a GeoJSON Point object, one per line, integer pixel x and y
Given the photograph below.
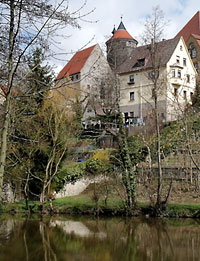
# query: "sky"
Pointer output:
{"type": "Point", "coordinates": [96, 27]}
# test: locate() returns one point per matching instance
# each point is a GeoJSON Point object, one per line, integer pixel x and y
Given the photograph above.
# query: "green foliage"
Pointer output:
{"type": "Point", "coordinates": [103, 154]}
{"type": "Point", "coordinates": [196, 98]}
{"type": "Point", "coordinates": [171, 137]}
{"type": "Point", "coordinates": [69, 174]}
{"type": "Point", "coordinates": [137, 150]}
{"type": "Point", "coordinates": [40, 76]}
{"type": "Point", "coordinates": [95, 166]}
{"type": "Point", "coordinates": [77, 107]}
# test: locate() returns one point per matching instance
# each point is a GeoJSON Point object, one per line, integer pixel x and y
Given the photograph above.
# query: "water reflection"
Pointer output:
{"type": "Point", "coordinates": [101, 240]}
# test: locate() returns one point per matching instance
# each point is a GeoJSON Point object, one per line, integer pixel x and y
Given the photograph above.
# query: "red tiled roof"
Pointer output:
{"type": "Point", "coordinates": [15, 91]}
{"type": "Point", "coordinates": [192, 27]}
{"type": "Point", "coordinates": [121, 34]}
{"type": "Point", "coordinates": [76, 63]}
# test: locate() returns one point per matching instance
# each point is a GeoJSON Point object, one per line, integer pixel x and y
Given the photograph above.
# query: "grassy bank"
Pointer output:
{"type": "Point", "coordinates": [84, 205]}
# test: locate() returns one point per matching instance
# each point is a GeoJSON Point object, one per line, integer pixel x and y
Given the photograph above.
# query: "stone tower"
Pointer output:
{"type": "Point", "coordinates": [119, 46]}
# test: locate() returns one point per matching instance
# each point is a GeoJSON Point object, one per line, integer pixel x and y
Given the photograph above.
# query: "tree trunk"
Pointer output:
{"type": "Point", "coordinates": [159, 188]}
{"type": "Point", "coordinates": [128, 173]}
{"type": "Point", "coordinates": [4, 135]}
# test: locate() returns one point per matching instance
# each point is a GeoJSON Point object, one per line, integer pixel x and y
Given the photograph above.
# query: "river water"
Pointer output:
{"type": "Point", "coordinates": [87, 239]}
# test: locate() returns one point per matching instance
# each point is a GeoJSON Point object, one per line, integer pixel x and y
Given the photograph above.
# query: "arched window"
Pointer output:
{"type": "Point", "coordinates": [192, 50]}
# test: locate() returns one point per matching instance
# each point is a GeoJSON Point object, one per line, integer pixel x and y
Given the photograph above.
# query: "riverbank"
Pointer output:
{"type": "Point", "coordinates": [83, 205]}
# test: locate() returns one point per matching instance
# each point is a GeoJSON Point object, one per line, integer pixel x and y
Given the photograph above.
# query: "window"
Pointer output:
{"type": "Point", "coordinates": [102, 93]}
{"type": "Point", "coordinates": [89, 109]}
{"type": "Point", "coordinates": [131, 78]}
{"type": "Point", "coordinates": [192, 51]}
{"type": "Point", "coordinates": [185, 95]}
{"type": "Point", "coordinates": [177, 59]}
{"type": "Point", "coordinates": [179, 74]}
{"type": "Point", "coordinates": [75, 77]}
{"type": "Point", "coordinates": [173, 73]}
{"type": "Point", "coordinates": [181, 48]}
{"type": "Point", "coordinates": [188, 77]}
{"type": "Point", "coordinates": [132, 114]}
{"type": "Point", "coordinates": [196, 66]}
{"type": "Point", "coordinates": [184, 61]}
{"type": "Point", "coordinates": [132, 96]}
{"type": "Point", "coordinates": [88, 86]}
{"type": "Point", "coordinates": [139, 63]}
{"type": "Point", "coordinates": [153, 74]}
{"type": "Point", "coordinates": [191, 95]}
{"type": "Point", "coordinates": [126, 117]}
{"type": "Point", "coordinates": [175, 92]}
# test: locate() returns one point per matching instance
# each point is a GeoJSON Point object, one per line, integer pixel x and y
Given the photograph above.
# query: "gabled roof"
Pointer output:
{"type": "Point", "coordinates": [121, 33]}
{"type": "Point", "coordinates": [76, 63]}
{"type": "Point", "coordinates": [192, 27]}
{"type": "Point", "coordinates": [140, 56]}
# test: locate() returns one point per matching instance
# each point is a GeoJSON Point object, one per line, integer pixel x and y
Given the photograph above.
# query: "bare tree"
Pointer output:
{"type": "Point", "coordinates": [25, 23]}
{"type": "Point", "coordinates": [153, 33]}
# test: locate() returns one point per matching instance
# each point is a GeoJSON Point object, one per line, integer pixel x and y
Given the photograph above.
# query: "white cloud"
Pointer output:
{"type": "Point", "coordinates": [108, 13]}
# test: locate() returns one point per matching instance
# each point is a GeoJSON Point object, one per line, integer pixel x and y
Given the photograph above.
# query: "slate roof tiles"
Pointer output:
{"type": "Point", "coordinates": [141, 55]}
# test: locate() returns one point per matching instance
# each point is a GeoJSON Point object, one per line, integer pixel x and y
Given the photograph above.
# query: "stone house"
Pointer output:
{"type": "Point", "coordinates": [83, 79]}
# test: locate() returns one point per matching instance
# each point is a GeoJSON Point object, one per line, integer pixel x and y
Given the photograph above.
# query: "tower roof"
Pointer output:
{"type": "Point", "coordinates": [121, 26]}
{"type": "Point", "coordinates": [121, 33]}
{"type": "Point", "coordinates": [192, 27]}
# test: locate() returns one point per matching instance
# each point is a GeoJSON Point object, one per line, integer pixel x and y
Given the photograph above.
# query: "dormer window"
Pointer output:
{"type": "Point", "coordinates": [139, 63]}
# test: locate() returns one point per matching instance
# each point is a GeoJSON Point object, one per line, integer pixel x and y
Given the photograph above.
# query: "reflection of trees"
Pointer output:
{"type": "Point", "coordinates": [49, 253]}
{"type": "Point", "coordinates": [106, 239]}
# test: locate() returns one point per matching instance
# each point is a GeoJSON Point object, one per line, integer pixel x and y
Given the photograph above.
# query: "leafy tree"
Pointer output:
{"type": "Point", "coordinates": [40, 76]}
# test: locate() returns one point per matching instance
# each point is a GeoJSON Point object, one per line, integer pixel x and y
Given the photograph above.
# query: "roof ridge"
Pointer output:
{"type": "Point", "coordinates": [76, 63]}
{"type": "Point", "coordinates": [192, 26]}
